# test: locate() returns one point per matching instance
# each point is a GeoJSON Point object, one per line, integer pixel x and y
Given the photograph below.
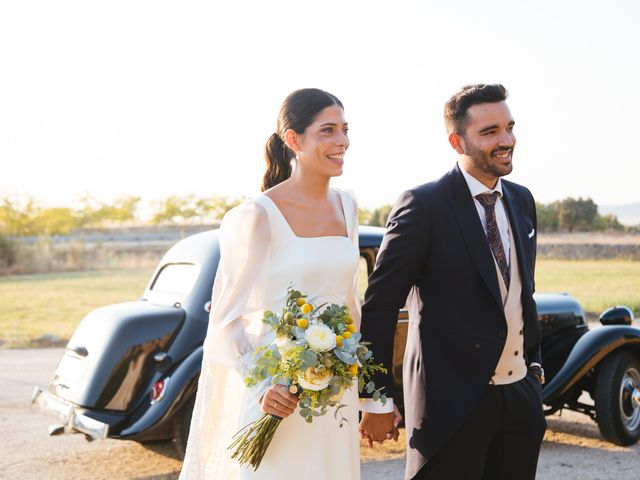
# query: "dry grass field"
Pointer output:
{"type": "Point", "coordinates": [597, 284]}
{"type": "Point", "coordinates": [36, 305]}
{"type": "Point", "coordinates": [54, 303]}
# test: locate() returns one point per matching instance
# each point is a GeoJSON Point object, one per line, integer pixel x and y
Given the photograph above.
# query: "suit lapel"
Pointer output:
{"type": "Point", "coordinates": [467, 217]}
{"type": "Point", "coordinates": [517, 223]}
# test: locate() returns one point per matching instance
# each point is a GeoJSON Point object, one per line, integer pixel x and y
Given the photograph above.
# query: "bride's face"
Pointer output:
{"type": "Point", "coordinates": [322, 146]}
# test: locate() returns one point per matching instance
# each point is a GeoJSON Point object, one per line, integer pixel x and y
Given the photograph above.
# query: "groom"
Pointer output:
{"type": "Point", "coordinates": [461, 252]}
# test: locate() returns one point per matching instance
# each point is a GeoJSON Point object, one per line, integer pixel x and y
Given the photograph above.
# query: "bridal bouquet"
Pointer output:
{"type": "Point", "coordinates": [318, 355]}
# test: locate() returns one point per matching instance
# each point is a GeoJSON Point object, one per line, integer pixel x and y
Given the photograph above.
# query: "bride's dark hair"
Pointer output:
{"type": "Point", "coordinates": [297, 112]}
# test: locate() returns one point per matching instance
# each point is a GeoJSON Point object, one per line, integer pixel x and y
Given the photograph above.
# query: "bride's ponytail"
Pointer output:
{"type": "Point", "coordinates": [297, 112]}
{"type": "Point", "coordinates": [278, 157]}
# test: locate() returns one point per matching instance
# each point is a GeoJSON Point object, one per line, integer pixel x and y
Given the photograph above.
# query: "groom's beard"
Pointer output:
{"type": "Point", "coordinates": [486, 162]}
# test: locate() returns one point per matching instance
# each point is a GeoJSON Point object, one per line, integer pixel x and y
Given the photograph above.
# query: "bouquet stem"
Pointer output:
{"type": "Point", "coordinates": [251, 443]}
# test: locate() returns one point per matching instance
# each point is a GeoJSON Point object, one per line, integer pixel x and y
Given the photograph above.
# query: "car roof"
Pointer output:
{"type": "Point", "coordinates": [370, 236]}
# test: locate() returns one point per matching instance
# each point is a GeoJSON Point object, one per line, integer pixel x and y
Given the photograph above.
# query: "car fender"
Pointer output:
{"type": "Point", "coordinates": [181, 386]}
{"type": "Point", "coordinates": [588, 351]}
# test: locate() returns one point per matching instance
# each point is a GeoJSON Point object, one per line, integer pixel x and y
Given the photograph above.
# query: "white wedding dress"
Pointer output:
{"type": "Point", "coordinates": [260, 258]}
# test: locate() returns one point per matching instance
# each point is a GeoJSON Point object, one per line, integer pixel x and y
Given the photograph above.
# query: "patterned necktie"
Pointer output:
{"type": "Point", "coordinates": [488, 201]}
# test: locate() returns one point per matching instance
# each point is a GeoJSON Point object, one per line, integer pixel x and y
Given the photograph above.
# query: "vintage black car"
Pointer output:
{"type": "Point", "coordinates": [130, 370]}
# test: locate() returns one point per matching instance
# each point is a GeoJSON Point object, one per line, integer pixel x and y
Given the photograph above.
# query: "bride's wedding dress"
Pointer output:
{"type": "Point", "coordinates": [260, 257]}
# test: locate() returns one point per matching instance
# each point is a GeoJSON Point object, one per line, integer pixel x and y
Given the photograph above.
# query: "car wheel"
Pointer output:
{"type": "Point", "coordinates": [618, 398]}
{"type": "Point", "coordinates": [181, 424]}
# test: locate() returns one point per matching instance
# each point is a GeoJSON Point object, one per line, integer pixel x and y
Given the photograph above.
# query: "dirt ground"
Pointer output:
{"type": "Point", "coordinates": [572, 448]}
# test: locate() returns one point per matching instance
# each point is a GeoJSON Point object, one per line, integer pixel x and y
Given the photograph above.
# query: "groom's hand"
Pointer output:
{"type": "Point", "coordinates": [375, 426]}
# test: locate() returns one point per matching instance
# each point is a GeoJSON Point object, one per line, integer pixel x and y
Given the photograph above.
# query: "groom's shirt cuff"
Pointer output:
{"type": "Point", "coordinates": [370, 405]}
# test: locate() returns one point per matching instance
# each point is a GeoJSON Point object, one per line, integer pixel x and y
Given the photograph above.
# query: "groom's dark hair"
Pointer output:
{"type": "Point", "coordinates": [455, 110]}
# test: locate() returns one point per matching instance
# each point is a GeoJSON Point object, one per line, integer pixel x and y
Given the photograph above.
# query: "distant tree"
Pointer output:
{"type": "Point", "coordinates": [608, 222]}
{"type": "Point", "coordinates": [16, 216]}
{"type": "Point", "coordinates": [94, 213]}
{"type": "Point", "coordinates": [8, 251]}
{"type": "Point", "coordinates": [380, 216]}
{"type": "Point", "coordinates": [123, 209]}
{"type": "Point", "coordinates": [364, 216]}
{"type": "Point", "coordinates": [547, 216]}
{"type": "Point", "coordinates": [376, 218]}
{"type": "Point", "coordinates": [577, 214]}
{"type": "Point", "coordinates": [174, 208]}
{"type": "Point", "coordinates": [54, 221]}
{"type": "Point", "coordinates": [214, 208]}
{"type": "Point", "coordinates": [184, 209]}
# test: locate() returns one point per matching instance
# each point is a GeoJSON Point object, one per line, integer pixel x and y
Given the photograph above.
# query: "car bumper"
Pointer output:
{"type": "Point", "coordinates": [72, 420]}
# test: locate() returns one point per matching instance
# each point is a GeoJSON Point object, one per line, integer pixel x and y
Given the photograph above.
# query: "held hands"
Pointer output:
{"type": "Point", "coordinates": [278, 401]}
{"type": "Point", "coordinates": [378, 427]}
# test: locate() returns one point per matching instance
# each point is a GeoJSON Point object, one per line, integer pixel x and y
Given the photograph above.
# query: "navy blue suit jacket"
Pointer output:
{"type": "Point", "coordinates": [435, 255]}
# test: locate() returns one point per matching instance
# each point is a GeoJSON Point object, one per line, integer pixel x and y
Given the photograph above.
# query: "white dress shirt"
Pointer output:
{"type": "Point", "coordinates": [476, 188]}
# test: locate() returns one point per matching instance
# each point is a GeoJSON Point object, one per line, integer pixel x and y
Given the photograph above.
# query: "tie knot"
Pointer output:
{"type": "Point", "coordinates": [488, 199]}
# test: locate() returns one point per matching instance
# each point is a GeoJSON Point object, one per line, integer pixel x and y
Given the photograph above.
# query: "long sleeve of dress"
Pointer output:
{"type": "Point", "coordinates": [237, 302]}
{"type": "Point", "coordinates": [239, 288]}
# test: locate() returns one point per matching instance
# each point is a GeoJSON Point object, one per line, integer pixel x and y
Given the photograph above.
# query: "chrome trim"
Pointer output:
{"type": "Point", "coordinates": [635, 398]}
{"type": "Point", "coordinates": [630, 399]}
{"type": "Point", "coordinates": [160, 356]}
{"type": "Point", "coordinates": [163, 392]}
{"type": "Point", "coordinates": [79, 350]}
{"type": "Point", "coordinates": [71, 420]}
{"type": "Point", "coordinates": [89, 426]}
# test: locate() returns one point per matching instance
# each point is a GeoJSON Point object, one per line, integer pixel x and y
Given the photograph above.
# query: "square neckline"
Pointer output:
{"type": "Point", "coordinates": [286, 222]}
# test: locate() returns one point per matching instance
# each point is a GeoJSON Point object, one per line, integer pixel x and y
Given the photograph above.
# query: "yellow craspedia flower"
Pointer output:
{"type": "Point", "coordinates": [351, 328]}
{"type": "Point", "coordinates": [300, 301]}
{"type": "Point", "coordinates": [346, 334]}
{"type": "Point", "coordinates": [302, 322]}
{"type": "Point", "coordinates": [339, 339]}
{"type": "Point", "coordinates": [306, 308]}
{"type": "Point", "coordinates": [353, 369]}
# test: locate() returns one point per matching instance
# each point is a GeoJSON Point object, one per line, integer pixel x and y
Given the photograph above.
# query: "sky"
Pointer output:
{"type": "Point", "coordinates": [158, 98]}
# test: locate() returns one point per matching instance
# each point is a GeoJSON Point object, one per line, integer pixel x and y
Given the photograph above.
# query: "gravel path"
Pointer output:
{"type": "Point", "coordinates": [572, 449]}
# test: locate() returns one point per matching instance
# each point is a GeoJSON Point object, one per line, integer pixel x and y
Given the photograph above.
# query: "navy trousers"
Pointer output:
{"type": "Point", "coordinates": [499, 441]}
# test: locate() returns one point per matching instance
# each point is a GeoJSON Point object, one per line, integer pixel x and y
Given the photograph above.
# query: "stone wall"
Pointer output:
{"type": "Point", "coordinates": [588, 251]}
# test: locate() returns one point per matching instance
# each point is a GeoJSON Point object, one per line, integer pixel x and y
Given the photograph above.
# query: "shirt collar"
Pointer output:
{"type": "Point", "coordinates": [476, 187]}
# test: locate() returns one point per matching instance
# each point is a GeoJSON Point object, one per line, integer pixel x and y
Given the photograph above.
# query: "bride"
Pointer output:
{"type": "Point", "coordinates": [298, 231]}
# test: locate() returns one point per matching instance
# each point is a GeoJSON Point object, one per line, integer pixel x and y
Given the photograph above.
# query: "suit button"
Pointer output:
{"type": "Point", "coordinates": [502, 334]}
{"type": "Point", "coordinates": [477, 345]}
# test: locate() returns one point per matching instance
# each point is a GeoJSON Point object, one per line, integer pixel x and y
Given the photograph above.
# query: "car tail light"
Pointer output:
{"type": "Point", "coordinates": [158, 390]}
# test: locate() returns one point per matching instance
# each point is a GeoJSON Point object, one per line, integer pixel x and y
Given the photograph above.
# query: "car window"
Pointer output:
{"type": "Point", "coordinates": [176, 278]}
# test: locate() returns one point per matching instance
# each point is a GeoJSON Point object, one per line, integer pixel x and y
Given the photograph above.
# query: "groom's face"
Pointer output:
{"type": "Point", "coordinates": [488, 141]}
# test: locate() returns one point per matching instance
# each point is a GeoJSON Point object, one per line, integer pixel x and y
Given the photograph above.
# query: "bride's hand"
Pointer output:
{"type": "Point", "coordinates": [278, 401]}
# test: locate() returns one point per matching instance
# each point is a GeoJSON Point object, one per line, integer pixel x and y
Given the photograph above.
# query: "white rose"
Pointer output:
{"type": "Point", "coordinates": [320, 338]}
{"type": "Point", "coordinates": [312, 379]}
